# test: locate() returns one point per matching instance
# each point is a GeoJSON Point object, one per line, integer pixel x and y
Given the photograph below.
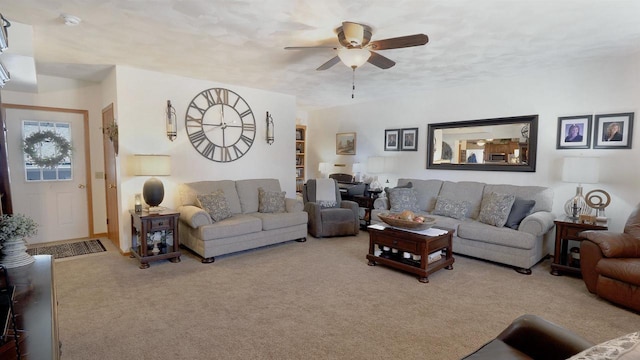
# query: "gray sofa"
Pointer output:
{"type": "Point", "coordinates": [520, 247]}
{"type": "Point", "coordinates": [247, 228]}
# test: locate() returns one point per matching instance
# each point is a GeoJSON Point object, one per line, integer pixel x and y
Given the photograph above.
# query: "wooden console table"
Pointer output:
{"type": "Point", "coordinates": [36, 309]}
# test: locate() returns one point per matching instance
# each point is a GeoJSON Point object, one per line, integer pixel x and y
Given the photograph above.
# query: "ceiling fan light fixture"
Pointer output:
{"type": "Point", "coordinates": [354, 58]}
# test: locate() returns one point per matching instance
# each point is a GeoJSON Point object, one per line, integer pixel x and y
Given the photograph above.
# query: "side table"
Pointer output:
{"type": "Point", "coordinates": [154, 236]}
{"type": "Point", "coordinates": [568, 230]}
{"type": "Point", "coordinates": [366, 202]}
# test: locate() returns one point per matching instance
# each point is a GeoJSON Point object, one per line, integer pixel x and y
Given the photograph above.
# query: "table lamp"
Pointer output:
{"type": "Point", "coordinates": [581, 170]}
{"type": "Point", "coordinates": [152, 165]}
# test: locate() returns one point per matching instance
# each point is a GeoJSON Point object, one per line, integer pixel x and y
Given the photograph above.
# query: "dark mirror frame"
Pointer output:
{"type": "Point", "coordinates": [530, 166]}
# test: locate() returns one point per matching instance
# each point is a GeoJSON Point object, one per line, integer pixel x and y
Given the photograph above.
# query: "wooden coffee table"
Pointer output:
{"type": "Point", "coordinates": [414, 244]}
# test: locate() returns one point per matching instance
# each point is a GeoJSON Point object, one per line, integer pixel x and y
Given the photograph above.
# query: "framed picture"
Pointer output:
{"type": "Point", "coordinates": [574, 132]}
{"type": "Point", "coordinates": [409, 139]}
{"type": "Point", "coordinates": [613, 131]}
{"type": "Point", "coordinates": [391, 140]}
{"type": "Point", "coordinates": [346, 143]}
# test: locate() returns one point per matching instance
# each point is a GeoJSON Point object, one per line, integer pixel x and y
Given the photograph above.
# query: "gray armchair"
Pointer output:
{"type": "Point", "coordinates": [338, 220]}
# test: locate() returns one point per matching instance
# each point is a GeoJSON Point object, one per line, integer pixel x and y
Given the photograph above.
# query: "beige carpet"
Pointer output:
{"type": "Point", "coordinates": [313, 300]}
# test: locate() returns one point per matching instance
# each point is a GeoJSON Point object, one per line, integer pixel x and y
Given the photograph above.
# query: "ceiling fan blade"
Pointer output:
{"type": "Point", "coordinates": [311, 47]}
{"type": "Point", "coordinates": [399, 42]}
{"type": "Point", "coordinates": [334, 60]}
{"type": "Point", "coordinates": [380, 61]}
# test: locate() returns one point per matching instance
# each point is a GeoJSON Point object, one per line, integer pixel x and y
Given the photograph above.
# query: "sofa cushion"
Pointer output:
{"type": "Point", "coordinates": [520, 209]}
{"type": "Point", "coordinates": [248, 192]}
{"type": "Point", "coordinates": [215, 204]}
{"type": "Point", "coordinates": [469, 191]}
{"type": "Point", "coordinates": [270, 201]}
{"type": "Point", "coordinates": [452, 208]}
{"type": "Point", "coordinates": [426, 190]}
{"type": "Point", "coordinates": [239, 224]}
{"type": "Point", "coordinates": [401, 199]}
{"type": "Point", "coordinates": [477, 231]}
{"type": "Point", "coordinates": [541, 195]}
{"type": "Point", "coordinates": [626, 347]}
{"type": "Point", "coordinates": [495, 208]}
{"type": "Point", "coordinates": [189, 191]}
{"type": "Point", "coordinates": [272, 221]}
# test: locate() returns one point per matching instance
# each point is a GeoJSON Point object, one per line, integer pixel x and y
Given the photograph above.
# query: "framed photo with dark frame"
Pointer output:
{"type": "Point", "coordinates": [346, 143]}
{"type": "Point", "coordinates": [409, 139]}
{"type": "Point", "coordinates": [574, 132]}
{"type": "Point", "coordinates": [613, 131]}
{"type": "Point", "coordinates": [392, 140]}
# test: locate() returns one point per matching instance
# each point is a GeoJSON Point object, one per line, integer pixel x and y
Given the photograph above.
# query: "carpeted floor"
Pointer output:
{"type": "Point", "coordinates": [64, 250]}
{"type": "Point", "coordinates": [313, 300]}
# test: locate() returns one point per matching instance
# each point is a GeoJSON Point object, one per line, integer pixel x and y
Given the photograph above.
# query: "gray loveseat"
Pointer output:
{"type": "Point", "coordinates": [521, 247]}
{"type": "Point", "coordinates": [247, 228]}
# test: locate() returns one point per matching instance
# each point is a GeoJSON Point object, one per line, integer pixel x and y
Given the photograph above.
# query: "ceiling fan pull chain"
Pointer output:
{"type": "Point", "coordinates": [353, 82]}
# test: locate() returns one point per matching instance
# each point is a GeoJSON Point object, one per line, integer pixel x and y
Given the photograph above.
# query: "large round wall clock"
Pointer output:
{"type": "Point", "coordinates": [220, 125]}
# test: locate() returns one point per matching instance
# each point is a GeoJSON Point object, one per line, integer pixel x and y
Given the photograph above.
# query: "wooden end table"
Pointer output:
{"type": "Point", "coordinates": [413, 243]}
{"type": "Point", "coordinates": [146, 228]}
{"type": "Point", "coordinates": [568, 229]}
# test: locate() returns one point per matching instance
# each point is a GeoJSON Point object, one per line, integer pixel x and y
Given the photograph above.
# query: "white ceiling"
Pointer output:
{"type": "Point", "coordinates": [240, 42]}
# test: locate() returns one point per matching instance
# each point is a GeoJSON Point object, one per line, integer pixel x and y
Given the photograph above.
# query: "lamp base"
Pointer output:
{"type": "Point", "coordinates": [577, 205]}
{"type": "Point", "coordinates": [153, 192]}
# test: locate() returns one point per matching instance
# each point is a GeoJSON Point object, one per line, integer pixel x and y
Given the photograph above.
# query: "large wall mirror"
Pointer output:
{"type": "Point", "coordinates": [501, 144]}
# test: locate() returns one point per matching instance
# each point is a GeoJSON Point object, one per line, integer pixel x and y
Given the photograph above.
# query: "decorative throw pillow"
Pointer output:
{"type": "Point", "coordinates": [452, 208]}
{"type": "Point", "coordinates": [270, 201]}
{"type": "Point", "coordinates": [520, 209]}
{"type": "Point", "coordinates": [625, 347]}
{"type": "Point", "coordinates": [401, 199]}
{"type": "Point", "coordinates": [495, 208]}
{"type": "Point", "coordinates": [215, 204]}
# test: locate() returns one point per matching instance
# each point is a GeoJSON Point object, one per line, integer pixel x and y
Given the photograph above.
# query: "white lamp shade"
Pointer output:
{"type": "Point", "coordinates": [354, 58]}
{"type": "Point", "coordinates": [375, 164]}
{"type": "Point", "coordinates": [151, 165]}
{"type": "Point", "coordinates": [581, 170]}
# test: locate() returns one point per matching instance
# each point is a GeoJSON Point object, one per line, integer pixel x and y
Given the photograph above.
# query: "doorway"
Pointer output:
{"type": "Point", "coordinates": [61, 204]}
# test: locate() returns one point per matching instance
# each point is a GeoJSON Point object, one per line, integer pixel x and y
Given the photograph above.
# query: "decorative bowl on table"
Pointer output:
{"type": "Point", "coordinates": [394, 220]}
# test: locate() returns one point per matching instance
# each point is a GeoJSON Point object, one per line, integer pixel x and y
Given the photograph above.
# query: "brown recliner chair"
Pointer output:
{"type": "Point", "coordinates": [339, 219]}
{"type": "Point", "coordinates": [610, 262]}
{"type": "Point", "coordinates": [532, 337]}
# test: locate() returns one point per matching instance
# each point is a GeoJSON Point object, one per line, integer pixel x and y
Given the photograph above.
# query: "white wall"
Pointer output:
{"type": "Point", "coordinates": [602, 87]}
{"type": "Point", "coordinates": [141, 102]}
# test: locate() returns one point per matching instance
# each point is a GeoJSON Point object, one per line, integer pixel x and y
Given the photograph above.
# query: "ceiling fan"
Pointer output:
{"type": "Point", "coordinates": [357, 47]}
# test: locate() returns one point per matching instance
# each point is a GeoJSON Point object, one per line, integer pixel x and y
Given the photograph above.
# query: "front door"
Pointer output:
{"type": "Point", "coordinates": [58, 199]}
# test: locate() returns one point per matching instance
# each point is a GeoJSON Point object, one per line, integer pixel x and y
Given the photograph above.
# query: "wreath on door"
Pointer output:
{"type": "Point", "coordinates": [33, 143]}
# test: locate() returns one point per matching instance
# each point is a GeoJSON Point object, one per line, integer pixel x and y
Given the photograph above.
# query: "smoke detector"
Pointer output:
{"type": "Point", "coordinates": [70, 20]}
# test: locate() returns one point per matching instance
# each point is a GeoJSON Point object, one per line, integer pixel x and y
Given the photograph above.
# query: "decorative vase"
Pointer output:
{"type": "Point", "coordinates": [14, 253]}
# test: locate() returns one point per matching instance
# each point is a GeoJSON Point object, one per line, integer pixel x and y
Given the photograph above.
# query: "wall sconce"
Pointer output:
{"type": "Point", "coordinates": [270, 137]}
{"type": "Point", "coordinates": [172, 124]}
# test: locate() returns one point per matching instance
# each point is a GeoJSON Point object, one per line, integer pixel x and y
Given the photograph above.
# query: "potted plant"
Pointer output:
{"type": "Point", "coordinates": [14, 228]}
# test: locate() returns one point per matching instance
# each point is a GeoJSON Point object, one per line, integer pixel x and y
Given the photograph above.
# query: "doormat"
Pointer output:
{"type": "Point", "coordinates": [69, 249]}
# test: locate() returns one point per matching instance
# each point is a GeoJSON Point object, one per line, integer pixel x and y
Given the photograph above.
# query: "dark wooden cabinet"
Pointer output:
{"type": "Point", "coordinates": [154, 236]}
{"type": "Point", "coordinates": [567, 230]}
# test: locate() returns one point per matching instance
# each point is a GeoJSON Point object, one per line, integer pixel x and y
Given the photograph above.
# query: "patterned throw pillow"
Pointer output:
{"type": "Point", "coordinates": [452, 208]}
{"type": "Point", "coordinates": [495, 208]}
{"type": "Point", "coordinates": [215, 204]}
{"type": "Point", "coordinates": [624, 347]}
{"type": "Point", "coordinates": [270, 201]}
{"type": "Point", "coordinates": [401, 199]}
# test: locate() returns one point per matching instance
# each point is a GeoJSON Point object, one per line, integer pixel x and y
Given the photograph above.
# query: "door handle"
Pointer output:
{"type": "Point", "coordinates": [81, 186]}
{"type": "Point", "coordinates": [111, 186]}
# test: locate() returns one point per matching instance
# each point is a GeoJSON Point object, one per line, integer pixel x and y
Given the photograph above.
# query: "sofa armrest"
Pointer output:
{"type": "Point", "coordinates": [314, 225]}
{"type": "Point", "coordinates": [590, 255]}
{"type": "Point", "coordinates": [194, 216]}
{"type": "Point", "coordinates": [293, 205]}
{"type": "Point", "coordinates": [542, 339]}
{"type": "Point", "coordinates": [381, 203]}
{"type": "Point", "coordinates": [538, 223]}
{"type": "Point", "coordinates": [612, 244]}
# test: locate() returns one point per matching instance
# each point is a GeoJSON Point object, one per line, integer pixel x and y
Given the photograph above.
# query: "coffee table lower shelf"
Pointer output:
{"type": "Point", "coordinates": [413, 243]}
